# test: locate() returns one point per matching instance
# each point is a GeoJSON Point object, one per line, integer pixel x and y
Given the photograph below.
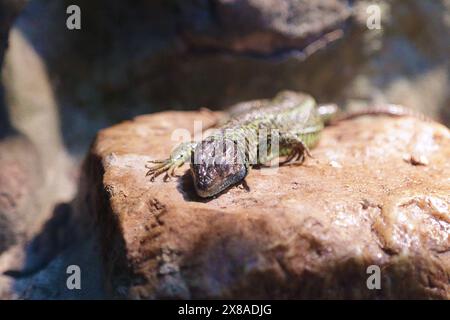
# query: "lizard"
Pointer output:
{"type": "Point", "coordinates": [257, 132]}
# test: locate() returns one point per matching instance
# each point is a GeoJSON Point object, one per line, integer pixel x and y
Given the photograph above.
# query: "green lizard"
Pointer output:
{"type": "Point", "coordinates": [256, 133]}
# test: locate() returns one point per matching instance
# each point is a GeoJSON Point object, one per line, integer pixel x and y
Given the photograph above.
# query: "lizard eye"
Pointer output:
{"type": "Point", "coordinates": [216, 165]}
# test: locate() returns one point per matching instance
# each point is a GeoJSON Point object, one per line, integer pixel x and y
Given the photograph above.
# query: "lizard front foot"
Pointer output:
{"type": "Point", "coordinates": [160, 166]}
{"type": "Point", "coordinates": [178, 157]}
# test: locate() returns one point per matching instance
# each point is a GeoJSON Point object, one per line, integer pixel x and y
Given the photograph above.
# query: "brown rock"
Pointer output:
{"type": "Point", "coordinates": [300, 232]}
{"type": "Point", "coordinates": [19, 180]}
{"type": "Point", "coordinates": [20, 208]}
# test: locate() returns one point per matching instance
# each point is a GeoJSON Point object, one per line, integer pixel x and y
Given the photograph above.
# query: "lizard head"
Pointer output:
{"type": "Point", "coordinates": [217, 164]}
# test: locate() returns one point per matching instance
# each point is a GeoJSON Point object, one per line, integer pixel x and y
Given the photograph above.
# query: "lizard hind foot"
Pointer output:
{"type": "Point", "coordinates": [297, 156]}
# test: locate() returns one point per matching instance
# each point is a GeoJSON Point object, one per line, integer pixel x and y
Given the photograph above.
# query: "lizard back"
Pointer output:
{"type": "Point", "coordinates": [288, 113]}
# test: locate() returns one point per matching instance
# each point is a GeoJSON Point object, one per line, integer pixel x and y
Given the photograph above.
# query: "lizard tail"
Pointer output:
{"type": "Point", "coordinates": [386, 109]}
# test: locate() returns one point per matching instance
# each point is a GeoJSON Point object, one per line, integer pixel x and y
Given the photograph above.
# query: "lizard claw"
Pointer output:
{"type": "Point", "coordinates": [160, 167]}
{"type": "Point", "coordinates": [300, 153]}
{"type": "Point", "coordinates": [168, 166]}
{"type": "Point", "coordinates": [155, 161]}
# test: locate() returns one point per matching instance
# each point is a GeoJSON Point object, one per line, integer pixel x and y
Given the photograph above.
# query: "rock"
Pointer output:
{"type": "Point", "coordinates": [266, 27]}
{"type": "Point", "coordinates": [38, 269]}
{"type": "Point", "coordinates": [185, 54]}
{"type": "Point", "coordinates": [33, 110]}
{"type": "Point", "coordinates": [19, 180]}
{"type": "Point", "coordinates": [33, 164]}
{"type": "Point", "coordinates": [20, 206]}
{"type": "Point", "coordinates": [50, 282]}
{"type": "Point", "coordinates": [309, 231]}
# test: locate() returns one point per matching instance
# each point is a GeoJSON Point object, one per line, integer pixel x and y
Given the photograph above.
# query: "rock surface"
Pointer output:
{"type": "Point", "coordinates": [183, 54]}
{"type": "Point", "coordinates": [377, 192]}
{"type": "Point", "coordinates": [268, 27]}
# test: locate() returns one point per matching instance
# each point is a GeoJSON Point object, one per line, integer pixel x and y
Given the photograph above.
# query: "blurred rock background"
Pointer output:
{"type": "Point", "coordinates": [61, 86]}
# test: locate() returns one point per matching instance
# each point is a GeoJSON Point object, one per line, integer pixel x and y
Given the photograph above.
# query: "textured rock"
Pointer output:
{"type": "Point", "coordinates": [19, 179]}
{"type": "Point", "coordinates": [38, 269]}
{"type": "Point", "coordinates": [32, 176]}
{"type": "Point", "coordinates": [260, 27]}
{"type": "Point", "coordinates": [159, 54]}
{"type": "Point", "coordinates": [300, 232]}
{"type": "Point", "coordinates": [21, 211]}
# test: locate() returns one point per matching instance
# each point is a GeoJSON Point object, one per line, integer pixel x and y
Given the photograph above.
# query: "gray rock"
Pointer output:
{"type": "Point", "coordinates": [267, 27]}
